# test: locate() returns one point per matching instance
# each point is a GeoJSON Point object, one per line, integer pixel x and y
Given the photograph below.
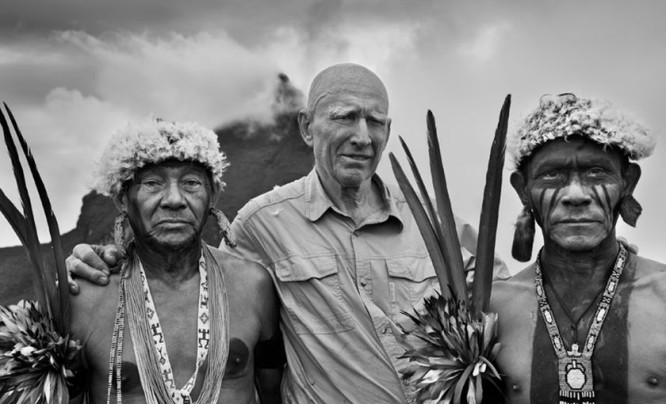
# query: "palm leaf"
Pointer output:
{"type": "Point", "coordinates": [485, 250]}
{"type": "Point", "coordinates": [32, 245]}
{"type": "Point", "coordinates": [62, 300]}
{"type": "Point", "coordinates": [422, 188]}
{"type": "Point", "coordinates": [14, 217]}
{"type": "Point", "coordinates": [450, 245]}
{"type": "Point", "coordinates": [424, 225]}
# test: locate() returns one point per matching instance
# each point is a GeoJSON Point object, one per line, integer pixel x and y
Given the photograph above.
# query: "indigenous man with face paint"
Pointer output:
{"type": "Point", "coordinates": [184, 323]}
{"type": "Point", "coordinates": [344, 251]}
{"type": "Point", "coordinates": [584, 322]}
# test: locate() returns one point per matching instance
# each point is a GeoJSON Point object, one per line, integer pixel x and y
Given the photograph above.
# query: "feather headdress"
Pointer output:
{"type": "Point", "coordinates": [37, 357]}
{"type": "Point", "coordinates": [564, 115]}
{"type": "Point", "coordinates": [457, 339]}
{"type": "Point", "coordinates": [152, 141]}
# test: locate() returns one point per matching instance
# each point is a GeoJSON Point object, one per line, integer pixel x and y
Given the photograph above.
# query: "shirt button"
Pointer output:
{"type": "Point", "coordinates": [384, 330]}
{"type": "Point", "coordinates": [364, 283]}
{"type": "Point", "coordinates": [516, 388]}
{"type": "Point", "coordinates": [653, 381]}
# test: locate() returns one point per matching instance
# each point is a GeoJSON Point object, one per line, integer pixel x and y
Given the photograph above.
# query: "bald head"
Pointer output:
{"type": "Point", "coordinates": [346, 77]}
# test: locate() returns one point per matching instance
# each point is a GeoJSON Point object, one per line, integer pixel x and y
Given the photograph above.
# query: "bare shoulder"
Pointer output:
{"type": "Point", "coordinates": [513, 293]}
{"type": "Point", "coordinates": [242, 273]}
{"type": "Point", "coordinates": [646, 267]}
{"type": "Point", "coordinates": [93, 304]}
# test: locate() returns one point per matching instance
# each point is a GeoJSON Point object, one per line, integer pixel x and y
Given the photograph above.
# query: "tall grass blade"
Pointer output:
{"type": "Point", "coordinates": [32, 245]}
{"type": "Point", "coordinates": [449, 242]}
{"type": "Point", "coordinates": [62, 310]}
{"type": "Point", "coordinates": [432, 213]}
{"type": "Point", "coordinates": [485, 250]}
{"type": "Point", "coordinates": [14, 217]}
{"type": "Point", "coordinates": [424, 225]}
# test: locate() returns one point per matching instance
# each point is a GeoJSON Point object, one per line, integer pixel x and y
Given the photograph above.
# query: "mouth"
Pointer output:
{"type": "Point", "coordinates": [357, 157]}
{"type": "Point", "coordinates": [172, 222]}
{"type": "Point", "coordinates": [580, 221]}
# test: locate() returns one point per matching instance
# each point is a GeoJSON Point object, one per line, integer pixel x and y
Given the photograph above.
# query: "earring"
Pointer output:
{"type": "Point", "coordinates": [224, 225]}
{"type": "Point", "coordinates": [630, 210]}
{"type": "Point", "coordinates": [523, 237]}
{"type": "Point", "coordinates": [119, 231]}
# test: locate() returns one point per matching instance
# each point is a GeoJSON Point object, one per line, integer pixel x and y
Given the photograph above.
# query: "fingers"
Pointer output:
{"type": "Point", "coordinates": [85, 263]}
{"type": "Point", "coordinates": [73, 286]}
{"type": "Point", "coordinates": [110, 255]}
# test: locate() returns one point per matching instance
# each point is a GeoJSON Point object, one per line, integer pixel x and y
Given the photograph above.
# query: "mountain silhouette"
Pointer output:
{"type": "Point", "coordinates": [262, 155]}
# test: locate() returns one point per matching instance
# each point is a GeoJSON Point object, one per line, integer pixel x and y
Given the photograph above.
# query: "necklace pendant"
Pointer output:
{"type": "Point", "coordinates": [576, 382]}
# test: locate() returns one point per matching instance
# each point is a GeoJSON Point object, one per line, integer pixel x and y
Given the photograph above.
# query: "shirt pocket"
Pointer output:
{"type": "Point", "coordinates": [410, 280]}
{"type": "Point", "coordinates": [311, 295]}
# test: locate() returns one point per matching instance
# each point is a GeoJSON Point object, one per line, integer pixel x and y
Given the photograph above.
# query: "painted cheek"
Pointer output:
{"type": "Point", "coordinates": [544, 201]}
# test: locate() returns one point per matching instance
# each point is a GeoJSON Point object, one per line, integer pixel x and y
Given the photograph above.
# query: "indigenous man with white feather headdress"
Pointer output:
{"type": "Point", "coordinates": [584, 322]}
{"type": "Point", "coordinates": [184, 321]}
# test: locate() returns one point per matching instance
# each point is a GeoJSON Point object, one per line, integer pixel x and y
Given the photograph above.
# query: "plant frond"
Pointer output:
{"type": "Point", "coordinates": [450, 245]}
{"type": "Point", "coordinates": [485, 250]}
{"type": "Point", "coordinates": [61, 301]}
{"type": "Point", "coordinates": [423, 223]}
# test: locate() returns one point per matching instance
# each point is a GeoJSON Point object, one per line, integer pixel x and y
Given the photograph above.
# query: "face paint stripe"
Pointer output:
{"type": "Point", "coordinates": [553, 202]}
{"type": "Point", "coordinates": [609, 204]}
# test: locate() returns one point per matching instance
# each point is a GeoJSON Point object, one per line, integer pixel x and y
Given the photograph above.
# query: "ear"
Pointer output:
{"type": "Point", "coordinates": [120, 201]}
{"type": "Point", "coordinates": [630, 209]}
{"type": "Point", "coordinates": [518, 183]}
{"type": "Point", "coordinates": [215, 194]}
{"type": "Point", "coordinates": [304, 120]}
{"type": "Point", "coordinates": [388, 128]}
{"type": "Point", "coordinates": [631, 176]}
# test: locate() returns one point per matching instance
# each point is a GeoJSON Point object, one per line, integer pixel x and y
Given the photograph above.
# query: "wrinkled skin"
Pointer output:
{"type": "Point", "coordinates": [167, 205]}
{"type": "Point", "coordinates": [574, 188]}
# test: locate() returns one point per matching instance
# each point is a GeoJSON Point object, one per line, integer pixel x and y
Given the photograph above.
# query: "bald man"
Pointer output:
{"type": "Point", "coordinates": [343, 249]}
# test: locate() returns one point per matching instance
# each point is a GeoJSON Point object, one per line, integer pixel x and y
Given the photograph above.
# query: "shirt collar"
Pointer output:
{"type": "Point", "coordinates": [317, 201]}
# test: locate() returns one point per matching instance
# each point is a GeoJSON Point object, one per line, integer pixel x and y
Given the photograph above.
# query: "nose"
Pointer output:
{"type": "Point", "coordinates": [361, 136]}
{"type": "Point", "coordinates": [575, 193]}
{"type": "Point", "coordinates": [173, 196]}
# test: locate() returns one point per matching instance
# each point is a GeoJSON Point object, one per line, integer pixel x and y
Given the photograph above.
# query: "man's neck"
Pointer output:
{"type": "Point", "coordinates": [579, 274]}
{"type": "Point", "coordinates": [358, 203]}
{"type": "Point", "coordinates": [171, 266]}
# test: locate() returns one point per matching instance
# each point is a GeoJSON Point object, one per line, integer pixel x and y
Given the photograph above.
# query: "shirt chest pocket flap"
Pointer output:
{"type": "Point", "coordinates": [311, 294]}
{"type": "Point", "coordinates": [410, 280]}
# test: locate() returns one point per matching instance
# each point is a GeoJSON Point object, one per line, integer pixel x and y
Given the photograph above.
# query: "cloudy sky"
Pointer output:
{"type": "Point", "coordinates": [75, 70]}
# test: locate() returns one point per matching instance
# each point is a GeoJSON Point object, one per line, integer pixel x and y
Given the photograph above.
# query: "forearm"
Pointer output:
{"type": "Point", "coordinates": [268, 383]}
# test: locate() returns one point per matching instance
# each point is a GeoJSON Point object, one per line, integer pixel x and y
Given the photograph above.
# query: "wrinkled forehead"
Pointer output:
{"type": "Point", "coordinates": [575, 151]}
{"type": "Point", "coordinates": [172, 167]}
{"type": "Point", "coordinates": [350, 82]}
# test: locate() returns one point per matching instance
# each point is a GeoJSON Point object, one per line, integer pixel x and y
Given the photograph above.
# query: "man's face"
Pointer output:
{"type": "Point", "coordinates": [348, 132]}
{"type": "Point", "coordinates": [167, 204]}
{"type": "Point", "coordinates": [574, 188]}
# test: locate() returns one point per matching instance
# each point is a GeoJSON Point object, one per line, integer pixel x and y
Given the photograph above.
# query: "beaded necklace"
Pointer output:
{"type": "Point", "coordinates": [149, 345]}
{"type": "Point", "coordinates": [575, 368]}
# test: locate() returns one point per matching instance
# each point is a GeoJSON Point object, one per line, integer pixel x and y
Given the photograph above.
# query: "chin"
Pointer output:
{"type": "Point", "coordinates": [578, 243]}
{"type": "Point", "coordinates": [176, 242]}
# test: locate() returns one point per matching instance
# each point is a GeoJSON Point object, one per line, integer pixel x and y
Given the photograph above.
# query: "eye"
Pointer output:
{"type": "Point", "coordinates": [551, 175]}
{"type": "Point", "coordinates": [151, 184]}
{"type": "Point", "coordinates": [374, 121]}
{"type": "Point", "coordinates": [192, 184]}
{"type": "Point", "coordinates": [596, 172]}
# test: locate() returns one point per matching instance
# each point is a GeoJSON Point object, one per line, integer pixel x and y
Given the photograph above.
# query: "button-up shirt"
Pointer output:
{"type": "Point", "coordinates": [343, 288]}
